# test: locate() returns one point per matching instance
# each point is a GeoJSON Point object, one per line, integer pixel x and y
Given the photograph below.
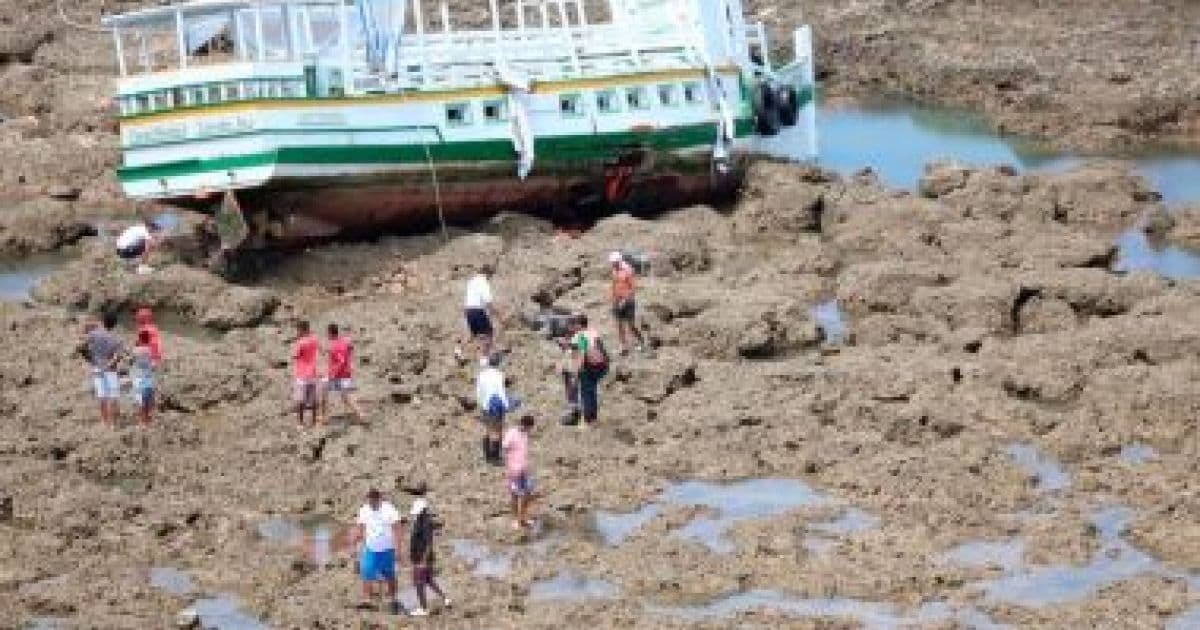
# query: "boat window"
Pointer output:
{"type": "Point", "coordinates": [570, 105]}
{"type": "Point", "coordinates": [229, 91]}
{"type": "Point", "coordinates": [250, 89]}
{"type": "Point", "coordinates": [199, 95]}
{"type": "Point", "coordinates": [293, 89]}
{"type": "Point", "coordinates": [458, 114]}
{"type": "Point", "coordinates": [667, 95]}
{"type": "Point", "coordinates": [637, 98]}
{"type": "Point", "coordinates": [214, 94]}
{"type": "Point", "coordinates": [693, 93]}
{"type": "Point", "coordinates": [495, 111]}
{"type": "Point", "coordinates": [606, 101]}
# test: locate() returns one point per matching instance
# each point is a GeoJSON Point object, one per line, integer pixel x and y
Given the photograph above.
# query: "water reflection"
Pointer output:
{"type": "Point", "coordinates": [736, 502]}
{"type": "Point", "coordinates": [171, 580]}
{"type": "Point", "coordinates": [1049, 475]}
{"type": "Point", "coordinates": [828, 316]}
{"type": "Point", "coordinates": [19, 277]}
{"type": "Point", "coordinates": [567, 586]}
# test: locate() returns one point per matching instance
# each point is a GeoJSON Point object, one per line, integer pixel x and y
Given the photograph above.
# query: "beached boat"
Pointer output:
{"type": "Point", "coordinates": [302, 119]}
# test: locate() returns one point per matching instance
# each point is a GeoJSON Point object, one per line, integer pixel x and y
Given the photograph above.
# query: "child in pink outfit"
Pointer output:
{"type": "Point", "coordinates": [516, 470]}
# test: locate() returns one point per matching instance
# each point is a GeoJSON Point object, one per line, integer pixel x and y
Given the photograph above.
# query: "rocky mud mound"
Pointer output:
{"type": "Point", "coordinates": [1004, 411]}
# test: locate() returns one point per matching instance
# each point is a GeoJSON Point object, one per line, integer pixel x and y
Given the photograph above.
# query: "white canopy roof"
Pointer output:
{"type": "Point", "coordinates": [166, 13]}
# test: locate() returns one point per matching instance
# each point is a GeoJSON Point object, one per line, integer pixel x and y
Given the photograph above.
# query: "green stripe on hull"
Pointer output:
{"type": "Point", "coordinates": [553, 149]}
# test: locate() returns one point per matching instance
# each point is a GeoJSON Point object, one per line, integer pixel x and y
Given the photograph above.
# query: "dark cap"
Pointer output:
{"type": "Point", "coordinates": [374, 495]}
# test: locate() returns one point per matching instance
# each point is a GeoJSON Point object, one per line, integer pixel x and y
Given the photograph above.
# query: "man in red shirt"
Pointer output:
{"type": "Point", "coordinates": [338, 373]}
{"type": "Point", "coordinates": [304, 371]}
{"type": "Point", "coordinates": [624, 304]}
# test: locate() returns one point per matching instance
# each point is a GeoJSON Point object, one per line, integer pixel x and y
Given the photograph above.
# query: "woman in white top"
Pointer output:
{"type": "Point", "coordinates": [480, 312]}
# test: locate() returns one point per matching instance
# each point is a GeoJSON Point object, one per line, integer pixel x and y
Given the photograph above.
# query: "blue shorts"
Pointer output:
{"type": "Point", "coordinates": [521, 485]}
{"type": "Point", "coordinates": [478, 322]}
{"type": "Point", "coordinates": [377, 565]}
{"type": "Point", "coordinates": [343, 385]}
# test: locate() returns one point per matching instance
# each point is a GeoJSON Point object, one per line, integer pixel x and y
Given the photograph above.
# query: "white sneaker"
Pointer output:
{"type": "Point", "coordinates": [447, 602]}
{"type": "Point", "coordinates": [419, 612]}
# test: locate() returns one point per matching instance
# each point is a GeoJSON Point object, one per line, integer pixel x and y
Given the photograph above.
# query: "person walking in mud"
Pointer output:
{"type": "Point", "coordinates": [377, 528]}
{"type": "Point", "coordinates": [304, 372]}
{"type": "Point", "coordinates": [144, 319]}
{"type": "Point", "coordinates": [143, 376]}
{"type": "Point", "coordinates": [494, 404]}
{"type": "Point", "coordinates": [421, 554]}
{"type": "Point", "coordinates": [591, 362]}
{"type": "Point", "coordinates": [480, 311]}
{"type": "Point", "coordinates": [517, 473]}
{"type": "Point", "coordinates": [339, 373]}
{"type": "Point", "coordinates": [103, 351]}
{"type": "Point", "coordinates": [624, 303]}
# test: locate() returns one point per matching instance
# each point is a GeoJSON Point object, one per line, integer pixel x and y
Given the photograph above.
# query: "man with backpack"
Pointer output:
{"type": "Point", "coordinates": [590, 359]}
{"type": "Point", "coordinates": [494, 403]}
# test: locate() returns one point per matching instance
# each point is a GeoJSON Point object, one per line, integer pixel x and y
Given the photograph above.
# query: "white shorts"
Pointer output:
{"type": "Point", "coordinates": [106, 385]}
{"type": "Point", "coordinates": [339, 385]}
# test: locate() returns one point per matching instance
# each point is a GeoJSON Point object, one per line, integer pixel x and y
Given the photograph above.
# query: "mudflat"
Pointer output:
{"type": "Point", "coordinates": [1001, 432]}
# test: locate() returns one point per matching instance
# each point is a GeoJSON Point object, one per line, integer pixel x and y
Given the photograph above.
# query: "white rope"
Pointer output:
{"type": "Point", "coordinates": [62, 15]}
{"type": "Point", "coordinates": [437, 192]}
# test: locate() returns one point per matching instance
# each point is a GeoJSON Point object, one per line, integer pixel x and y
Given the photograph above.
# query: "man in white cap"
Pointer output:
{"type": "Point", "coordinates": [377, 527]}
{"type": "Point", "coordinates": [420, 552]}
{"type": "Point", "coordinates": [624, 304]}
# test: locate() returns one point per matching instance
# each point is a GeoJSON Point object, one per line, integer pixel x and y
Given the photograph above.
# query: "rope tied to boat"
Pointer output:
{"type": "Point", "coordinates": [437, 191]}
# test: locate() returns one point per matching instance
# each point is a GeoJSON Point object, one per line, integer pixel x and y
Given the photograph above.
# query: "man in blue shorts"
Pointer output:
{"type": "Point", "coordinates": [480, 312]}
{"type": "Point", "coordinates": [378, 527]}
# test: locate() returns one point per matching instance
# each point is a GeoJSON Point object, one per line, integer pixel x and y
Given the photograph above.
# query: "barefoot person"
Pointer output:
{"type": "Point", "coordinates": [377, 528]}
{"type": "Point", "coordinates": [104, 350]}
{"type": "Point", "coordinates": [494, 404]}
{"type": "Point", "coordinates": [420, 553]}
{"type": "Point", "coordinates": [338, 373]}
{"type": "Point", "coordinates": [624, 305]}
{"type": "Point", "coordinates": [480, 311]}
{"type": "Point", "coordinates": [517, 472]}
{"type": "Point", "coordinates": [143, 376]}
{"type": "Point", "coordinates": [304, 372]}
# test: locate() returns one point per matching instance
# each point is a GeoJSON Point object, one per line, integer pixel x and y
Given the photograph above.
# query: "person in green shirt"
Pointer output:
{"type": "Point", "coordinates": [590, 359]}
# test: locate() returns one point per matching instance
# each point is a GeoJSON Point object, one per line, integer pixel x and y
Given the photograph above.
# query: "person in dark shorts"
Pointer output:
{"type": "Point", "coordinates": [591, 365]}
{"type": "Point", "coordinates": [624, 302]}
{"type": "Point", "coordinates": [480, 311]}
{"type": "Point", "coordinates": [137, 241]}
{"type": "Point", "coordinates": [304, 372]}
{"type": "Point", "coordinates": [494, 404]}
{"type": "Point", "coordinates": [421, 554]}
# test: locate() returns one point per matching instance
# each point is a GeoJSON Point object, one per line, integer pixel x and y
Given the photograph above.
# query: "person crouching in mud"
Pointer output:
{"type": "Point", "coordinates": [137, 241]}
{"type": "Point", "coordinates": [494, 404]}
{"type": "Point", "coordinates": [377, 528]}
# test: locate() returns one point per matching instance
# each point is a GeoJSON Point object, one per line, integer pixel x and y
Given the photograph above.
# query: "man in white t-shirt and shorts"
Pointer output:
{"type": "Point", "coordinates": [480, 311]}
{"type": "Point", "coordinates": [378, 527]}
{"type": "Point", "coordinates": [136, 241]}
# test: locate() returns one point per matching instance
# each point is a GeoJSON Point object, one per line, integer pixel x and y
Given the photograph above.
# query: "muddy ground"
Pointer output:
{"type": "Point", "coordinates": [981, 314]}
{"type": "Point", "coordinates": [1082, 75]}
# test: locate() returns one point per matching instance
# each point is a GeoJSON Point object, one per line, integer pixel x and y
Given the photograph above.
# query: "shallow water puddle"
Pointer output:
{"type": "Point", "coordinates": [615, 527]}
{"type": "Point", "coordinates": [1137, 454]}
{"type": "Point", "coordinates": [314, 536]}
{"type": "Point", "coordinates": [851, 521]}
{"type": "Point", "coordinates": [171, 580]}
{"type": "Point", "coordinates": [46, 623]}
{"type": "Point", "coordinates": [1006, 554]}
{"type": "Point", "coordinates": [828, 316]}
{"type": "Point", "coordinates": [224, 612]}
{"type": "Point", "coordinates": [482, 561]}
{"type": "Point", "coordinates": [873, 615]}
{"type": "Point", "coordinates": [1136, 252]}
{"type": "Point", "coordinates": [919, 134]}
{"type": "Point", "coordinates": [736, 502]}
{"type": "Point", "coordinates": [19, 277]}
{"type": "Point", "coordinates": [1115, 561]}
{"type": "Point", "coordinates": [1049, 475]}
{"type": "Point", "coordinates": [567, 586]}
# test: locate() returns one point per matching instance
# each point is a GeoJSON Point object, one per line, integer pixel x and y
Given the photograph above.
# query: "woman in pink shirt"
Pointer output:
{"type": "Point", "coordinates": [304, 371]}
{"type": "Point", "coordinates": [339, 375]}
{"type": "Point", "coordinates": [516, 470]}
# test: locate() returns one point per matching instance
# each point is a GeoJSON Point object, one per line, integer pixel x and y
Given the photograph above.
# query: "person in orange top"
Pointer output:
{"type": "Point", "coordinates": [144, 318]}
{"type": "Point", "coordinates": [624, 304]}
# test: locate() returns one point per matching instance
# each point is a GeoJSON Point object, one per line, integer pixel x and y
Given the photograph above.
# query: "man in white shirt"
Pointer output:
{"type": "Point", "coordinates": [480, 311]}
{"type": "Point", "coordinates": [378, 527]}
{"type": "Point", "coordinates": [136, 241]}
{"type": "Point", "coordinates": [494, 403]}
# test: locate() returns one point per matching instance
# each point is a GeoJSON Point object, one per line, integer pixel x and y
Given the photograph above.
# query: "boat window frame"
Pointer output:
{"type": "Point", "coordinates": [501, 106]}
{"type": "Point", "coordinates": [693, 93]}
{"type": "Point", "coordinates": [467, 114]}
{"type": "Point", "coordinates": [637, 98]}
{"type": "Point", "coordinates": [576, 100]}
{"type": "Point", "coordinates": [613, 100]}
{"type": "Point", "coordinates": [671, 93]}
